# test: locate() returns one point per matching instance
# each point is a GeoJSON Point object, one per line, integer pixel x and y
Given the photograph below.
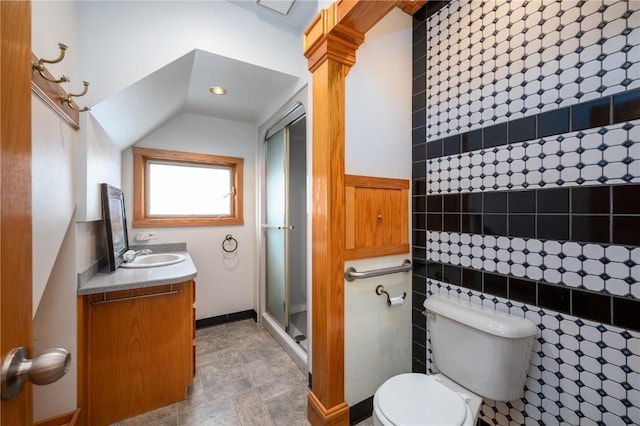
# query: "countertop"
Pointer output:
{"type": "Point", "coordinates": [130, 278]}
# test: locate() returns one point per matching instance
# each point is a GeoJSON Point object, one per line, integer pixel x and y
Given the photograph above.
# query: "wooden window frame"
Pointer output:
{"type": "Point", "coordinates": [141, 156]}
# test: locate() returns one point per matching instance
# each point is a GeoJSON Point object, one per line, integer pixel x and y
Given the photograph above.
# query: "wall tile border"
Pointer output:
{"type": "Point", "coordinates": [607, 214]}
{"type": "Point", "coordinates": [599, 112]}
{"type": "Point", "coordinates": [600, 307]}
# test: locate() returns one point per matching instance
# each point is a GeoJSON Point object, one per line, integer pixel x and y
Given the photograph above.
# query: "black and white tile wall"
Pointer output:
{"type": "Point", "coordinates": [526, 191]}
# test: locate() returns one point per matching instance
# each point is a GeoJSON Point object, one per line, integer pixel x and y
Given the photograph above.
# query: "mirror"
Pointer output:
{"type": "Point", "coordinates": [115, 223]}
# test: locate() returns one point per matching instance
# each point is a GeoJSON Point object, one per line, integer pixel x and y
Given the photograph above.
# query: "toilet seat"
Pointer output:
{"type": "Point", "coordinates": [418, 399]}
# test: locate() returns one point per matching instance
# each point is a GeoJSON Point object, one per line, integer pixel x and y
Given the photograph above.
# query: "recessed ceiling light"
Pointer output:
{"type": "Point", "coordinates": [217, 90]}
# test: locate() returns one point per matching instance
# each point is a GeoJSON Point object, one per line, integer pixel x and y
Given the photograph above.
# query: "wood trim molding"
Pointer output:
{"type": "Point", "coordinates": [337, 32]}
{"type": "Point", "coordinates": [369, 252]}
{"type": "Point", "coordinates": [330, 45]}
{"type": "Point", "coordinates": [67, 419]}
{"type": "Point", "coordinates": [375, 182]}
{"type": "Point", "coordinates": [82, 394]}
{"type": "Point", "coordinates": [338, 415]}
{"type": "Point", "coordinates": [410, 7]}
{"type": "Point", "coordinates": [141, 219]}
{"type": "Point", "coordinates": [51, 93]}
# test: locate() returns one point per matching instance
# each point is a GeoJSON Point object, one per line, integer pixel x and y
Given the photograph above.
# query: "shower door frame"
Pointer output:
{"type": "Point", "coordinates": [285, 227]}
{"type": "Point", "coordinates": [301, 357]}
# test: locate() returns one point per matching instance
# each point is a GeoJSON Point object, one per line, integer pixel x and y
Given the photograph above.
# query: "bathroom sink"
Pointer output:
{"type": "Point", "coordinates": [154, 260]}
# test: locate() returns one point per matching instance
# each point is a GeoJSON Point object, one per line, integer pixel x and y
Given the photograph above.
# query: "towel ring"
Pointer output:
{"type": "Point", "coordinates": [229, 244]}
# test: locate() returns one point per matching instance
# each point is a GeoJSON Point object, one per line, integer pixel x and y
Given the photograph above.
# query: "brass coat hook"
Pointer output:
{"type": "Point", "coordinates": [69, 98]}
{"type": "Point", "coordinates": [40, 65]}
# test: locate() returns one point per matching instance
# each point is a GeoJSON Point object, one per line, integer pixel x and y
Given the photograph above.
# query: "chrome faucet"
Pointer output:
{"type": "Point", "coordinates": [130, 255]}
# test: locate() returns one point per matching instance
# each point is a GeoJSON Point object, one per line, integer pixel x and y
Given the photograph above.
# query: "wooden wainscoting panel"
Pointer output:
{"type": "Point", "coordinates": [377, 216]}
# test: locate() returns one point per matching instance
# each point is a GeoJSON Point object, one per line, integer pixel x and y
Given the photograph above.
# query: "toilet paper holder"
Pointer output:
{"type": "Point", "coordinates": [391, 301]}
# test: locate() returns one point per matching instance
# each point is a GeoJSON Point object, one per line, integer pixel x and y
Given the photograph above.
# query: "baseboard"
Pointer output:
{"type": "Point", "coordinates": [318, 415]}
{"type": "Point", "coordinates": [67, 419]}
{"type": "Point", "coordinates": [222, 319]}
{"type": "Point", "coordinates": [361, 411]}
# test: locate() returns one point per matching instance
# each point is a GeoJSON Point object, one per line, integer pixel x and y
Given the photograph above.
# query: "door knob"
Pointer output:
{"type": "Point", "coordinates": [42, 370]}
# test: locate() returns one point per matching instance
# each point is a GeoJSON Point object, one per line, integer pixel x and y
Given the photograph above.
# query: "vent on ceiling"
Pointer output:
{"type": "Point", "coordinates": [281, 7]}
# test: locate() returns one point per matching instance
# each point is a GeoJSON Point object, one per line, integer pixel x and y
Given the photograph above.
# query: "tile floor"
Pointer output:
{"type": "Point", "coordinates": [243, 378]}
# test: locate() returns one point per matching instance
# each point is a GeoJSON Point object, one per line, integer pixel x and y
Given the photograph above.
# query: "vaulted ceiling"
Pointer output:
{"type": "Point", "coordinates": [182, 86]}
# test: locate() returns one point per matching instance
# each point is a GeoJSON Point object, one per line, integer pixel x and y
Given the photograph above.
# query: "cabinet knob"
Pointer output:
{"type": "Point", "coordinates": [380, 216]}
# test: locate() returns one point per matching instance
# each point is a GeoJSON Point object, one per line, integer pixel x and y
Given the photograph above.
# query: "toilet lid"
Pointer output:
{"type": "Point", "coordinates": [417, 399]}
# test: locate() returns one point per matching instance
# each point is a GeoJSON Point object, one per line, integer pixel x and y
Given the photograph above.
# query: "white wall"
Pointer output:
{"type": "Point", "coordinates": [91, 244]}
{"type": "Point", "coordinates": [225, 283]}
{"type": "Point", "coordinates": [54, 197]}
{"type": "Point", "coordinates": [99, 161]}
{"type": "Point", "coordinates": [378, 143]}
{"type": "Point", "coordinates": [124, 41]}
{"type": "Point", "coordinates": [378, 101]}
{"type": "Point", "coordinates": [54, 325]}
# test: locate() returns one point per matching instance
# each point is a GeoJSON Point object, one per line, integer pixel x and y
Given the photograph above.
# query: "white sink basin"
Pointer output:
{"type": "Point", "coordinates": [154, 260]}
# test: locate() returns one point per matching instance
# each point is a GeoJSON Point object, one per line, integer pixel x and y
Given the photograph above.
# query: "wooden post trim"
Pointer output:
{"type": "Point", "coordinates": [328, 235]}
{"type": "Point", "coordinates": [330, 45]}
{"type": "Point", "coordinates": [317, 414]}
{"type": "Point", "coordinates": [410, 7]}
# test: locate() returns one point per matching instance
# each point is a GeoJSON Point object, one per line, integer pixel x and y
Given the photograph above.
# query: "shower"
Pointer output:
{"type": "Point", "coordinates": [284, 230]}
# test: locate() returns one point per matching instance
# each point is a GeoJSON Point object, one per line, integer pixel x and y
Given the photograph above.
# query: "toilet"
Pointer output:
{"type": "Point", "coordinates": [479, 353]}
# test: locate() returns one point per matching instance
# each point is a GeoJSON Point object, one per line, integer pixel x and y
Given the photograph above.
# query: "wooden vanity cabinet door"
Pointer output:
{"type": "Point", "coordinates": [140, 350]}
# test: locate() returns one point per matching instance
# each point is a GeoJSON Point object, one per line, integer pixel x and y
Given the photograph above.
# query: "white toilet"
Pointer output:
{"type": "Point", "coordinates": [480, 353]}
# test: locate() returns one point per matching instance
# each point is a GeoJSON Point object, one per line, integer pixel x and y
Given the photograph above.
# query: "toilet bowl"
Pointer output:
{"type": "Point", "coordinates": [479, 353]}
{"type": "Point", "coordinates": [415, 399]}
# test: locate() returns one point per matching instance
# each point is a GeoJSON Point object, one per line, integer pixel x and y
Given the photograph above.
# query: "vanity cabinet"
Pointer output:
{"type": "Point", "coordinates": [137, 350]}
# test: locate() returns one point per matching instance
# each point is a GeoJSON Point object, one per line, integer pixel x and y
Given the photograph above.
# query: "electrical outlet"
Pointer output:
{"type": "Point", "coordinates": [144, 236]}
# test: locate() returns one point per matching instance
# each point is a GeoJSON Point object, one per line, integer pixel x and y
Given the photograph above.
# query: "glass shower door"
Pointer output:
{"type": "Point", "coordinates": [276, 227]}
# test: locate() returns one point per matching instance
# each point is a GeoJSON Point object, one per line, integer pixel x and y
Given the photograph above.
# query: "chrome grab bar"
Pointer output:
{"type": "Point", "coordinates": [351, 274]}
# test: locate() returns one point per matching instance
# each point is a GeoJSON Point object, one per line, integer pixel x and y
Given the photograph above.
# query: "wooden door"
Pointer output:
{"type": "Point", "coordinates": [15, 195]}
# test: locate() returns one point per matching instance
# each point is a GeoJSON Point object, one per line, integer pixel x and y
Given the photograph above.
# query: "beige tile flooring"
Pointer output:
{"type": "Point", "coordinates": [243, 378]}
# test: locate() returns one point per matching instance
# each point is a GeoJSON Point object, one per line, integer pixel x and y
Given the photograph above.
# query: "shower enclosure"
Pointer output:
{"type": "Point", "coordinates": [285, 226]}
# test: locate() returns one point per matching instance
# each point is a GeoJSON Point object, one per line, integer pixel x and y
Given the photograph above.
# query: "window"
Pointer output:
{"type": "Point", "coordinates": [174, 188]}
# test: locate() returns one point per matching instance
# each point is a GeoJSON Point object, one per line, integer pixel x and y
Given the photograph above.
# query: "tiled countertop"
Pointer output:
{"type": "Point", "coordinates": [126, 279]}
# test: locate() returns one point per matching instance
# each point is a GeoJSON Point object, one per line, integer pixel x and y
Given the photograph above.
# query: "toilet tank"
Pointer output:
{"type": "Point", "coordinates": [481, 349]}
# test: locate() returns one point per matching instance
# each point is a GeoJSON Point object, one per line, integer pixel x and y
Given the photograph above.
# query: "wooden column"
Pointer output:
{"type": "Point", "coordinates": [326, 402]}
{"type": "Point", "coordinates": [331, 42]}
